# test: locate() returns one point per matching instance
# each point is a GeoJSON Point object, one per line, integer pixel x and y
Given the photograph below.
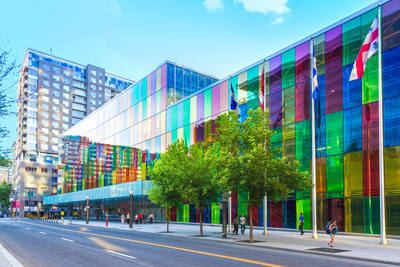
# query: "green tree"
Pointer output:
{"type": "Point", "coordinates": [5, 192]}
{"type": "Point", "coordinates": [168, 175]}
{"type": "Point", "coordinates": [248, 164]}
{"type": "Point", "coordinates": [200, 187]}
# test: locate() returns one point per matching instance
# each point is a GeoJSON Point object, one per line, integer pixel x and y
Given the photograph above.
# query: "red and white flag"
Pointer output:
{"type": "Point", "coordinates": [261, 96]}
{"type": "Point", "coordinates": [369, 47]}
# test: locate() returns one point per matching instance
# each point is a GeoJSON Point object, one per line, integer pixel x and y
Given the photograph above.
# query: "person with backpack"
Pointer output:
{"type": "Point", "coordinates": [331, 230]}
{"type": "Point", "coordinates": [301, 224]}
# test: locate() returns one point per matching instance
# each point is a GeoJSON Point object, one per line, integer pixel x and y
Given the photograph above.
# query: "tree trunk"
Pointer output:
{"type": "Point", "coordinates": [201, 221]}
{"type": "Point", "coordinates": [167, 220]}
{"type": "Point", "coordinates": [251, 223]}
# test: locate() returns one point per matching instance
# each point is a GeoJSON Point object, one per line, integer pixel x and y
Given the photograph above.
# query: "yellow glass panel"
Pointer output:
{"type": "Point", "coordinates": [193, 109]}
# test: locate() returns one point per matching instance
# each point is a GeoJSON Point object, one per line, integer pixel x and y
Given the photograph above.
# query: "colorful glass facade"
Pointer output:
{"type": "Point", "coordinates": [147, 118]}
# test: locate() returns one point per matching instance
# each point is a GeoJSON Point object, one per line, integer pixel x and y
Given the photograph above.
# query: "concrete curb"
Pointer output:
{"type": "Point", "coordinates": [10, 258]}
{"type": "Point", "coordinates": [248, 244]}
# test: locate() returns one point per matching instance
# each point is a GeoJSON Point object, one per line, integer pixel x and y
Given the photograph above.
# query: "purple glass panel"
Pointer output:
{"type": "Point", "coordinates": [333, 49]}
{"type": "Point", "coordinates": [215, 99]}
{"type": "Point", "coordinates": [153, 82]}
{"type": "Point", "coordinates": [275, 69]}
{"type": "Point", "coordinates": [302, 55]}
{"type": "Point", "coordinates": [163, 75]}
{"type": "Point", "coordinates": [390, 7]}
{"type": "Point", "coordinates": [148, 86]}
{"type": "Point", "coordinates": [200, 107]}
{"type": "Point", "coordinates": [163, 98]}
{"type": "Point", "coordinates": [153, 104]}
{"type": "Point", "coordinates": [276, 110]}
{"type": "Point", "coordinates": [200, 132]}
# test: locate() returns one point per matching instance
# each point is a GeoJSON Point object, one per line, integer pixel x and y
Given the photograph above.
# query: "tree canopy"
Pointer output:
{"type": "Point", "coordinates": [5, 192]}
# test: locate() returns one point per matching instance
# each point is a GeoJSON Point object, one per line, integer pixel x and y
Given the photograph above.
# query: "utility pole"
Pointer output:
{"type": "Point", "coordinates": [87, 209]}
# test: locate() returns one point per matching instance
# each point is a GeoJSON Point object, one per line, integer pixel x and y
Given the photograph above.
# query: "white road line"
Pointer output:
{"type": "Point", "coordinates": [69, 240]}
{"type": "Point", "coordinates": [121, 254]}
{"type": "Point", "coordinates": [42, 233]}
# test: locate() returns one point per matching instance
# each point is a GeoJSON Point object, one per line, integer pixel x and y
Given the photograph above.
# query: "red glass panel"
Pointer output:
{"type": "Point", "coordinates": [275, 216]}
{"type": "Point", "coordinates": [302, 56]}
{"type": "Point", "coordinates": [334, 91]}
{"type": "Point", "coordinates": [370, 124]}
{"type": "Point", "coordinates": [371, 173]}
{"type": "Point", "coordinates": [254, 211]}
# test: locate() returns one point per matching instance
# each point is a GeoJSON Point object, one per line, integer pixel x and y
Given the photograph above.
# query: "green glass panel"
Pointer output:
{"type": "Point", "coordinates": [207, 103]}
{"type": "Point", "coordinates": [319, 47]}
{"type": "Point", "coordinates": [144, 109]}
{"type": "Point", "coordinates": [334, 133]}
{"type": "Point", "coordinates": [392, 171]}
{"type": "Point", "coordinates": [371, 215]}
{"type": "Point", "coordinates": [242, 204]}
{"type": "Point", "coordinates": [186, 212]}
{"type": "Point", "coordinates": [179, 213]}
{"type": "Point", "coordinates": [186, 112]}
{"type": "Point", "coordinates": [305, 166]}
{"type": "Point", "coordinates": [351, 38]}
{"type": "Point", "coordinates": [174, 117]}
{"type": "Point", "coordinates": [234, 83]}
{"type": "Point", "coordinates": [393, 215]}
{"type": "Point", "coordinates": [288, 68]}
{"type": "Point", "coordinates": [242, 92]}
{"type": "Point", "coordinates": [215, 213]}
{"type": "Point", "coordinates": [304, 206]}
{"type": "Point", "coordinates": [354, 217]}
{"type": "Point", "coordinates": [144, 88]}
{"type": "Point", "coordinates": [303, 140]}
{"type": "Point", "coordinates": [253, 104]}
{"type": "Point", "coordinates": [289, 141]}
{"type": "Point", "coordinates": [186, 135]}
{"type": "Point", "coordinates": [174, 136]}
{"type": "Point", "coordinates": [353, 174]}
{"type": "Point", "coordinates": [366, 21]}
{"type": "Point", "coordinates": [334, 176]}
{"type": "Point", "coordinates": [289, 105]}
{"type": "Point", "coordinates": [370, 85]}
{"type": "Point", "coordinates": [276, 139]}
{"type": "Point", "coordinates": [252, 84]}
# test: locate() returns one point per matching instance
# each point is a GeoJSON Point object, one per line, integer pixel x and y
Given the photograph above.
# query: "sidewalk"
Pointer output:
{"type": "Point", "coordinates": [359, 247]}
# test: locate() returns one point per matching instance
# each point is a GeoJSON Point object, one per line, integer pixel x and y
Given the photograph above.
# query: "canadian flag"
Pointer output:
{"type": "Point", "coordinates": [369, 47]}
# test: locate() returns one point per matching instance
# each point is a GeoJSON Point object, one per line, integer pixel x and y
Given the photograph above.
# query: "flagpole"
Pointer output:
{"type": "Point", "coordinates": [314, 191]}
{"type": "Point", "coordinates": [265, 197]}
{"type": "Point", "coordinates": [230, 192]}
{"type": "Point", "coordinates": [381, 147]}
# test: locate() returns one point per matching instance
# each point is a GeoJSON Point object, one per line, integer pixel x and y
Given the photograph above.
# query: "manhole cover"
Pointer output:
{"type": "Point", "coordinates": [328, 250]}
{"type": "Point", "coordinates": [248, 241]}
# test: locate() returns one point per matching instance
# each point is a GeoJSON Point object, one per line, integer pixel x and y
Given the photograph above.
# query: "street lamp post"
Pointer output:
{"type": "Point", "coordinates": [131, 208]}
{"type": "Point", "coordinates": [87, 209]}
{"type": "Point", "coordinates": [11, 204]}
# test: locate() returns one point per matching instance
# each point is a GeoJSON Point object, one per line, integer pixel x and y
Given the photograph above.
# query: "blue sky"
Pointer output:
{"type": "Point", "coordinates": [131, 38]}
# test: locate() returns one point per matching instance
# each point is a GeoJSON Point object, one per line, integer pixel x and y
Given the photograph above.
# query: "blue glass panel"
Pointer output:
{"type": "Point", "coordinates": [320, 136]}
{"type": "Point", "coordinates": [136, 113]}
{"type": "Point", "coordinates": [170, 75]}
{"type": "Point", "coordinates": [194, 82]}
{"type": "Point", "coordinates": [139, 87]}
{"type": "Point", "coordinates": [168, 121]}
{"type": "Point", "coordinates": [391, 70]}
{"type": "Point", "coordinates": [352, 129]}
{"type": "Point", "coordinates": [179, 78]}
{"type": "Point", "coordinates": [180, 115]}
{"type": "Point", "coordinates": [391, 121]}
{"type": "Point", "coordinates": [352, 91]}
{"type": "Point", "coordinates": [208, 81]}
{"type": "Point", "coordinates": [186, 82]}
{"type": "Point", "coordinates": [202, 81]}
{"type": "Point", "coordinates": [320, 104]}
{"type": "Point", "coordinates": [243, 112]}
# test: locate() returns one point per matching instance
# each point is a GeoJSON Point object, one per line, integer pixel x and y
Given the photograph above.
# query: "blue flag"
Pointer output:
{"type": "Point", "coordinates": [234, 104]}
{"type": "Point", "coordinates": [314, 80]}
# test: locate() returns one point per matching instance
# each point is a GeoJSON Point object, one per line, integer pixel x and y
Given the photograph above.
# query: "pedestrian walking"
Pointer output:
{"type": "Point", "coordinates": [136, 218]}
{"type": "Point", "coordinates": [140, 218]}
{"type": "Point", "coordinates": [127, 218]}
{"type": "Point", "coordinates": [151, 218]}
{"type": "Point", "coordinates": [242, 224]}
{"type": "Point", "coordinates": [301, 224]}
{"type": "Point", "coordinates": [331, 229]}
{"type": "Point", "coordinates": [123, 218]}
{"type": "Point", "coordinates": [235, 226]}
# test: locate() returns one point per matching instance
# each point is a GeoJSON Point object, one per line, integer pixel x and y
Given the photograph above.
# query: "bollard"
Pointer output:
{"type": "Point", "coordinates": [70, 220]}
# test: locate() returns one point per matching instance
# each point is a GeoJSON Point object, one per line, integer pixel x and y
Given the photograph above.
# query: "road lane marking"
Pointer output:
{"type": "Point", "coordinates": [69, 240]}
{"type": "Point", "coordinates": [42, 233]}
{"type": "Point", "coordinates": [120, 254]}
{"type": "Point", "coordinates": [160, 245]}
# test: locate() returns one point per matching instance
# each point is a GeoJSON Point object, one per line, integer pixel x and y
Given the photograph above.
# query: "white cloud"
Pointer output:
{"type": "Point", "coordinates": [277, 7]}
{"type": "Point", "coordinates": [213, 5]}
{"type": "Point", "coordinates": [278, 20]}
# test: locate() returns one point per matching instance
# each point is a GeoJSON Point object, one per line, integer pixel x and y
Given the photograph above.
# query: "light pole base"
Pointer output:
{"type": "Point", "coordinates": [314, 236]}
{"type": "Point", "coordinates": [384, 241]}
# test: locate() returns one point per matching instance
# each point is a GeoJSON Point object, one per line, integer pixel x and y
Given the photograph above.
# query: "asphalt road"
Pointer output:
{"type": "Point", "coordinates": [36, 243]}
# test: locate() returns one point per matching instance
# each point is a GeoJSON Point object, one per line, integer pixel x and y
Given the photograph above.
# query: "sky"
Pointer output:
{"type": "Point", "coordinates": [130, 38]}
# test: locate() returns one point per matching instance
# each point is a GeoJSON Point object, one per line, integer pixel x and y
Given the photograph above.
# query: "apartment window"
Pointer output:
{"type": "Point", "coordinates": [75, 121]}
{"type": "Point", "coordinates": [100, 74]}
{"type": "Point", "coordinates": [31, 121]}
{"type": "Point", "coordinates": [79, 85]}
{"type": "Point", "coordinates": [93, 72]}
{"type": "Point", "coordinates": [55, 116]}
{"type": "Point", "coordinates": [79, 92]}
{"type": "Point", "coordinates": [46, 67]}
{"type": "Point", "coordinates": [56, 101]}
{"type": "Point", "coordinates": [45, 106]}
{"type": "Point", "coordinates": [44, 146]}
{"type": "Point", "coordinates": [67, 73]}
{"type": "Point", "coordinates": [93, 79]}
{"type": "Point", "coordinates": [65, 118]}
{"type": "Point", "coordinates": [56, 85]}
{"type": "Point", "coordinates": [56, 93]}
{"type": "Point", "coordinates": [78, 107]}
{"type": "Point", "coordinates": [92, 109]}
{"type": "Point", "coordinates": [31, 137]}
{"type": "Point", "coordinates": [66, 88]}
{"type": "Point", "coordinates": [31, 129]}
{"type": "Point", "coordinates": [100, 103]}
{"type": "Point", "coordinates": [45, 91]}
{"type": "Point", "coordinates": [65, 95]}
{"type": "Point", "coordinates": [45, 130]}
{"type": "Point", "coordinates": [65, 126]}
{"type": "Point", "coordinates": [100, 81]}
{"type": "Point", "coordinates": [93, 94]}
{"type": "Point", "coordinates": [79, 99]}
{"type": "Point", "coordinates": [100, 89]}
{"type": "Point", "coordinates": [56, 70]}
{"type": "Point", "coordinates": [54, 140]}
{"type": "Point", "coordinates": [46, 83]}
{"type": "Point", "coordinates": [55, 132]}
{"type": "Point", "coordinates": [32, 113]}
{"type": "Point", "coordinates": [32, 105]}
{"type": "Point", "coordinates": [66, 111]}
{"type": "Point", "coordinates": [45, 122]}
{"type": "Point", "coordinates": [93, 102]}
{"type": "Point", "coordinates": [54, 179]}
{"type": "Point", "coordinates": [44, 138]}
{"type": "Point", "coordinates": [45, 114]}
{"type": "Point", "coordinates": [65, 103]}
{"type": "Point", "coordinates": [44, 170]}
{"type": "Point", "coordinates": [45, 98]}
{"type": "Point", "coordinates": [46, 75]}
{"type": "Point", "coordinates": [55, 124]}
{"type": "Point", "coordinates": [56, 78]}
{"type": "Point", "coordinates": [78, 114]}
{"type": "Point", "coordinates": [93, 87]}
{"type": "Point", "coordinates": [66, 80]}
{"type": "Point", "coordinates": [56, 109]}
